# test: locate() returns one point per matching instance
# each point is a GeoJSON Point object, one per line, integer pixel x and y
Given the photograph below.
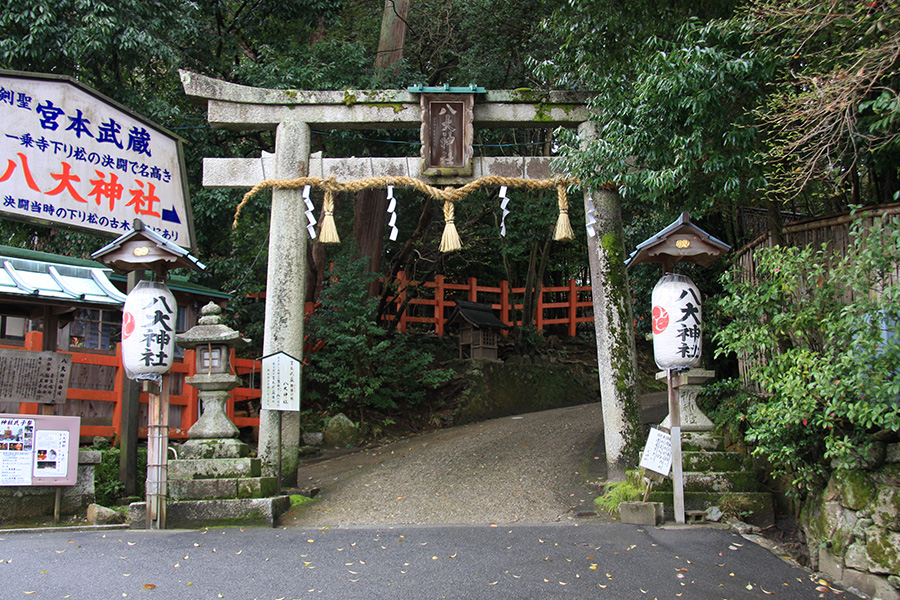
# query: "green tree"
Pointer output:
{"type": "Point", "coordinates": [833, 122]}
{"type": "Point", "coordinates": [819, 332]}
{"type": "Point", "coordinates": [360, 368]}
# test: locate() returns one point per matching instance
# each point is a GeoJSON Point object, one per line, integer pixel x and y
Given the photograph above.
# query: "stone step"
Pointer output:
{"type": "Point", "coordinates": [714, 482]}
{"type": "Point", "coordinates": [211, 513]}
{"type": "Point", "coordinates": [711, 461]}
{"type": "Point", "coordinates": [231, 487]}
{"type": "Point", "coordinates": [214, 468]}
{"type": "Point", "coordinates": [733, 481]}
{"type": "Point", "coordinates": [698, 441]}
{"type": "Point", "coordinates": [756, 508]}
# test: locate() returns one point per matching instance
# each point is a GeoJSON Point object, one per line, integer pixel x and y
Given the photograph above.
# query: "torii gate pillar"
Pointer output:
{"type": "Point", "coordinates": [285, 294]}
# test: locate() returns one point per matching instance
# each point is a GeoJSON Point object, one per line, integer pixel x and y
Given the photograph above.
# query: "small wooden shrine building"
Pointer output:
{"type": "Point", "coordinates": [479, 330]}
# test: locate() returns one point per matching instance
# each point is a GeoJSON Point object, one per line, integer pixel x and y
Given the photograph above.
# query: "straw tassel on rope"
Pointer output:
{"type": "Point", "coordinates": [564, 231]}
{"type": "Point", "coordinates": [450, 241]}
{"type": "Point", "coordinates": [329, 234]}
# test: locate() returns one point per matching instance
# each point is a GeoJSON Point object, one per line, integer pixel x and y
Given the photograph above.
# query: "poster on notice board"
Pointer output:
{"type": "Point", "coordinates": [38, 450]}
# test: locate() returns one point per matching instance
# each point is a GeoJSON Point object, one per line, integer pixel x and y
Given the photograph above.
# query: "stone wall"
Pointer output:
{"type": "Point", "coordinates": [19, 503]}
{"type": "Point", "coordinates": [494, 389]}
{"type": "Point", "coordinates": [853, 526]}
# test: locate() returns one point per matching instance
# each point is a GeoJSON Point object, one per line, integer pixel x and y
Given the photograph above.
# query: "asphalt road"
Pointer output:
{"type": "Point", "coordinates": [570, 560]}
{"type": "Point", "coordinates": [528, 468]}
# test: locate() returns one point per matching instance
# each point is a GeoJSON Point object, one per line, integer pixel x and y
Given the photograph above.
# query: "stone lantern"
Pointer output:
{"type": "Point", "coordinates": [213, 463]}
{"type": "Point", "coordinates": [212, 342]}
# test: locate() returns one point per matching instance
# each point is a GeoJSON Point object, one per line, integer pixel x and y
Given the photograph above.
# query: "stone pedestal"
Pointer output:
{"type": "Point", "coordinates": [213, 463]}
{"type": "Point", "coordinates": [642, 513]}
{"type": "Point", "coordinates": [692, 418]}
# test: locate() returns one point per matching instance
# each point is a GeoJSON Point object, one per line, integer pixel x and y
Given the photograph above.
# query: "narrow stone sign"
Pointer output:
{"type": "Point", "coordinates": [280, 382]}
{"type": "Point", "coordinates": [41, 377]}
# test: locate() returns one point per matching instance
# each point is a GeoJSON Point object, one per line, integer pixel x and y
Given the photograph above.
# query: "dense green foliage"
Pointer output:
{"type": "Point", "coordinates": [819, 330]}
{"type": "Point", "coordinates": [360, 368]}
{"type": "Point", "coordinates": [779, 106]}
{"type": "Point", "coordinates": [108, 489]}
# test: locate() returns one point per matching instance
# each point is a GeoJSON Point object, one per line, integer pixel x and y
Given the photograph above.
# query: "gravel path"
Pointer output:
{"type": "Point", "coordinates": [525, 469]}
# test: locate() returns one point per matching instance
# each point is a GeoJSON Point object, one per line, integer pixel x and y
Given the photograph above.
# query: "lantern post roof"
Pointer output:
{"type": "Point", "coordinates": [143, 248]}
{"type": "Point", "coordinates": [210, 329]}
{"type": "Point", "coordinates": [680, 241]}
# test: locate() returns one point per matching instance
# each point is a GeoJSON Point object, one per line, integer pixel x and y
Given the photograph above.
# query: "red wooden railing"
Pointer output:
{"type": "Point", "coordinates": [185, 402]}
{"type": "Point", "coordinates": [566, 305]}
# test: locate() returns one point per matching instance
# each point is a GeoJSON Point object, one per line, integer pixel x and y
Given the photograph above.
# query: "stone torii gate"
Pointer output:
{"type": "Point", "coordinates": [291, 113]}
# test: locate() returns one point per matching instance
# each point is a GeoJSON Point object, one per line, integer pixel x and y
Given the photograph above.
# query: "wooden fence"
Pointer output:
{"type": "Point", "coordinates": [95, 385]}
{"type": "Point", "coordinates": [431, 302]}
{"type": "Point", "coordinates": [833, 230]}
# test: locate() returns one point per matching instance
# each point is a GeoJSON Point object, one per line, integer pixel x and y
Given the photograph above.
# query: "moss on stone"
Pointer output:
{"type": "Point", "coordinates": [501, 389]}
{"type": "Point", "coordinates": [883, 549]}
{"type": "Point", "coordinates": [349, 98]}
{"type": "Point", "coordinates": [857, 489]}
{"type": "Point", "coordinates": [395, 106]}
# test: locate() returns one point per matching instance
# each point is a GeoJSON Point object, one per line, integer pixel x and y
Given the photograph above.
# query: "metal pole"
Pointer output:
{"type": "Point", "coordinates": [278, 441]}
{"type": "Point", "coordinates": [675, 426]}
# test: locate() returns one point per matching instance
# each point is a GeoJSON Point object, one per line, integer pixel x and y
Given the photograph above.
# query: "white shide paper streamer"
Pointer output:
{"type": "Point", "coordinates": [503, 204]}
{"type": "Point", "coordinates": [310, 218]}
{"type": "Point", "coordinates": [392, 206]}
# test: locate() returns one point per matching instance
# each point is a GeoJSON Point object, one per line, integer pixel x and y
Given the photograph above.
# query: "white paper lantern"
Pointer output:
{"type": "Point", "coordinates": [677, 322]}
{"type": "Point", "coordinates": [148, 331]}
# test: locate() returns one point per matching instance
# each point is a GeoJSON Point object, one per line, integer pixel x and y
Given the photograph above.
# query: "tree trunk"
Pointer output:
{"type": "Point", "coordinates": [393, 33]}
{"type": "Point", "coordinates": [369, 215]}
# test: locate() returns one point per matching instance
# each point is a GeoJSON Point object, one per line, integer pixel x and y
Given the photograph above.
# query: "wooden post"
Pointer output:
{"type": "Point", "coordinates": [573, 308]}
{"type": "Point", "coordinates": [157, 452]}
{"type": "Point", "coordinates": [439, 304]}
{"type": "Point", "coordinates": [473, 289]}
{"type": "Point", "coordinates": [675, 428]}
{"type": "Point", "coordinates": [402, 284]}
{"type": "Point", "coordinates": [128, 416]}
{"type": "Point", "coordinates": [539, 309]}
{"type": "Point", "coordinates": [504, 302]}
{"type": "Point", "coordinates": [57, 501]}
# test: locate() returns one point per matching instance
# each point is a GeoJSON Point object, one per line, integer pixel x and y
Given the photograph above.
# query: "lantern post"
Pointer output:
{"type": "Point", "coordinates": [677, 319]}
{"type": "Point", "coordinates": [148, 341]}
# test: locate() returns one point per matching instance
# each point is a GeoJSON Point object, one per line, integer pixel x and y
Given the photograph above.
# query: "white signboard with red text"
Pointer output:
{"type": "Point", "coordinates": [71, 157]}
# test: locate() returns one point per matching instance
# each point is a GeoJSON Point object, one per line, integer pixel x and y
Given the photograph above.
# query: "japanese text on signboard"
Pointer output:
{"type": "Point", "coordinates": [69, 158]}
{"type": "Point", "coordinates": [41, 377]}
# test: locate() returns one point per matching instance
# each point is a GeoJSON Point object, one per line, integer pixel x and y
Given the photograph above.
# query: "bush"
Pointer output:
{"type": "Point", "coordinates": [360, 367]}
{"type": "Point", "coordinates": [108, 490]}
{"type": "Point", "coordinates": [820, 330]}
{"type": "Point", "coordinates": [615, 494]}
